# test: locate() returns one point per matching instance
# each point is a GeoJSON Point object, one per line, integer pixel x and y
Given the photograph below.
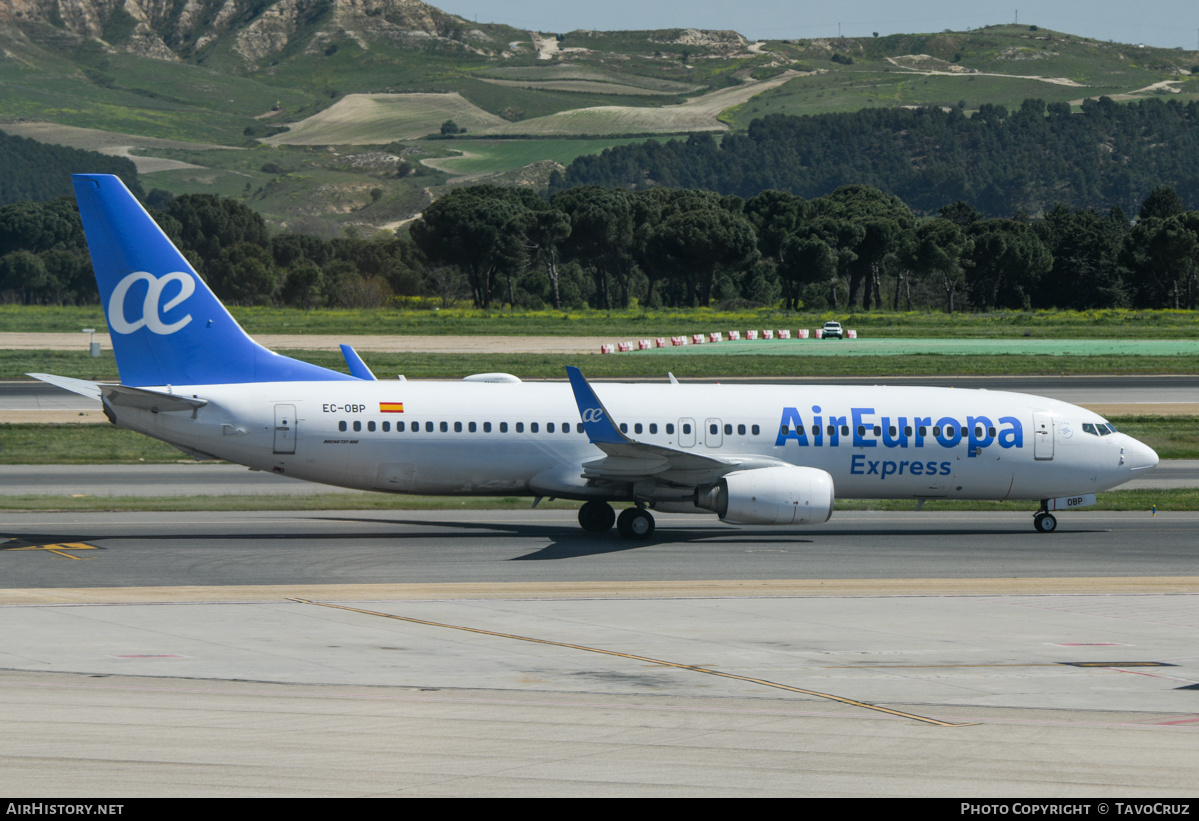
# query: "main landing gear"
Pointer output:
{"type": "Point", "coordinates": [634, 522]}
{"type": "Point", "coordinates": [1044, 521]}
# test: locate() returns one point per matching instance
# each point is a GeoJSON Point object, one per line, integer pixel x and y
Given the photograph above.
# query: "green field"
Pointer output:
{"type": "Point", "coordinates": [637, 323]}
{"type": "Point", "coordinates": [480, 157]}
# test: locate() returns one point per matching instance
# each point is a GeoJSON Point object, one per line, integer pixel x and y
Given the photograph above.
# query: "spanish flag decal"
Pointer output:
{"type": "Point", "coordinates": [391, 407]}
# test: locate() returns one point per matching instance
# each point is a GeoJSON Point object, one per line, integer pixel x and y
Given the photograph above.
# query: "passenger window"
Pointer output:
{"type": "Point", "coordinates": [687, 429]}
{"type": "Point", "coordinates": [670, 427]}
{"type": "Point", "coordinates": [624, 428]}
{"type": "Point", "coordinates": [357, 426]}
{"type": "Point", "coordinates": [728, 430]}
{"type": "Point", "coordinates": [741, 430]}
{"type": "Point", "coordinates": [637, 428]}
{"type": "Point", "coordinates": [936, 430]}
{"type": "Point", "coordinates": [785, 429]}
{"type": "Point", "coordinates": [755, 430]}
{"type": "Point", "coordinates": [341, 426]}
{"type": "Point", "coordinates": [471, 427]}
{"type": "Point", "coordinates": [387, 427]}
{"type": "Point", "coordinates": [503, 427]}
{"type": "Point", "coordinates": [991, 432]}
{"type": "Point", "coordinates": [878, 431]}
{"type": "Point", "coordinates": [566, 427]}
{"type": "Point", "coordinates": [549, 427]}
{"type": "Point", "coordinates": [532, 427]}
{"type": "Point", "coordinates": [445, 427]}
{"type": "Point", "coordinates": [487, 427]}
{"type": "Point", "coordinates": [579, 427]}
{"type": "Point", "coordinates": [907, 430]}
{"type": "Point", "coordinates": [845, 430]}
{"type": "Point", "coordinates": [713, 429]}
{"type": "Point", "coordinates": [457, 427]}
{"type": "Point", "coordinates": [520, 427]}
{"type": "Point", "coordinates": [922, 430]}
{"type": "Point", "coordinates": [653, 427]}
{"type": "Point", "coordinates": [428, 427]}
{"type": "Point", "coordinates": [399, 427]}
{"type": "Point", "coordinates": [370, 426]}
{"type": "Point", "coordinates": [861, 430]}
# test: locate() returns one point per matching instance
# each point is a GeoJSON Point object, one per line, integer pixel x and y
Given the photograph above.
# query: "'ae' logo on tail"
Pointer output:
{"type": "Point", "coordinates": [151, 308]}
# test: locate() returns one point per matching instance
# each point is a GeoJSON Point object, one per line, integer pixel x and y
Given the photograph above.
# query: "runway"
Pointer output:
{"type": "Point", "coordinates": [512, 654]}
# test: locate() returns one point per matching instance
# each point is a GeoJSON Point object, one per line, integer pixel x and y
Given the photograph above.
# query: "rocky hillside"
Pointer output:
{"type": "Point", "coordinates": [255, 30]}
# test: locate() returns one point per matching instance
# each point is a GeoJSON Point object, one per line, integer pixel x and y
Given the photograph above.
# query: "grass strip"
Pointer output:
{"type": "Point", "coordinates": [634, 323]}
{"type": "Point", "coordinates": [1172, 499]}
{"type": "Point", "coordinates": [1173, 437]}
{"type": "Point", "coordinates": [14, 364]}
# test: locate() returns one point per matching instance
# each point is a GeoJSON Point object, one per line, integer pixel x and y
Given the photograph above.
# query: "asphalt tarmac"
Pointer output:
{"type": "Point", "coordinates": [501, 653]}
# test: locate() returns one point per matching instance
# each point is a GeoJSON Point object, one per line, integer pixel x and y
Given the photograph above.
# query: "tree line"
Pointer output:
{"type": "Point", "coordinates": [998, 161]}
{"type": "Point", "coordinates": [39, 171]}
{"type": "Point", "coordinates": [855, 248]}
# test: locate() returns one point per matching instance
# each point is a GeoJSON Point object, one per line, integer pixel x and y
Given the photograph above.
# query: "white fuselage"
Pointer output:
{"type": "Point", "coordinates": [525, 438]}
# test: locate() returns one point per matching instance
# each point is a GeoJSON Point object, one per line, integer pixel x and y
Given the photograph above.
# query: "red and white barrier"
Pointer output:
{"type": "Point", "coordinates": [660, 342]}
{"type": "Point", "coordinates": [678, 340]}
{"type": "Point", "coordinates": [697, 339]}
{"type": "Point", "coordinates": [715, 337]}
{"type": "Point", "coordinates": [644, 344]}
{"type": "Point", "coordinates": [607, 348]}
{"type": "Point", "coordinates": [802, 333]}
{"type": "Point", "coordinates": [820, 333]}
{"type": "Point", "coordinates": [751, 334]}
{"type": "Point", "coordinates": [624, 347]}
{"type": "Point", "coordinates": [768, 334]}
{"type": "Point", "coordinates": [784, 334]}
{"type": "Point", "coordinates": [734, 336]}
{"type": "Point", "coordinates": [851, 334]}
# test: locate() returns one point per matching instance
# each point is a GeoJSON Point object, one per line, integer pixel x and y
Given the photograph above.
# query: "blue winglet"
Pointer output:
{"type": "Point", "coordinates": [167, 327]}
{"type": "Point", "coordinates": [596, 420]}
{"type": "Point", "coordinates": [357, 367]}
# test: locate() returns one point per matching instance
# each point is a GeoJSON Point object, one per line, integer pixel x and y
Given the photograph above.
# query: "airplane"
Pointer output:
{"type": "Point", "coordinates": [773, 455]}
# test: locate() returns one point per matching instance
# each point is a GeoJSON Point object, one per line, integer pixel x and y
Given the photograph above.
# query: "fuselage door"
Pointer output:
{"type": "Point", "coordinates": [686, 433]}
{"type": "Point", "coordinates": [714, 437]}
{"type": "Point", "coordinates": [285, 428]}
{"type": "Point", "coordinates": [1042, 432]}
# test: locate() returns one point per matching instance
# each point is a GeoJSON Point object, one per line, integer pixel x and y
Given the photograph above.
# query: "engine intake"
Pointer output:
{"type": "Point", "coordinates": [783, 495]}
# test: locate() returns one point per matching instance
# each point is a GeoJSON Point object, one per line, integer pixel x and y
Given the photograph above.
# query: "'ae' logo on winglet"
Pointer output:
{"type": "Point", "coordinates": [151, 308]}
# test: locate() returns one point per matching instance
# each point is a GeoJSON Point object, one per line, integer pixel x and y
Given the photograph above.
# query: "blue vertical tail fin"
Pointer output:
{"type": "Point", "coordinates": [167, 327]}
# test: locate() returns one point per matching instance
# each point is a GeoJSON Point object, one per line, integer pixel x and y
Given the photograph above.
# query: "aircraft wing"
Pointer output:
{"type": "Point", "coordinates": [628, 460]}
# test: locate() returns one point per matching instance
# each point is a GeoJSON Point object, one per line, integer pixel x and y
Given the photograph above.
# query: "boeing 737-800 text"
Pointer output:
{"type": "Point", "coordinates": [759, 455]}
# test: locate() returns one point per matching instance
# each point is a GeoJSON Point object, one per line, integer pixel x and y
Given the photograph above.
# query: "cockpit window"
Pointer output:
{"type": "Point", "coordinates": [1087, 427]}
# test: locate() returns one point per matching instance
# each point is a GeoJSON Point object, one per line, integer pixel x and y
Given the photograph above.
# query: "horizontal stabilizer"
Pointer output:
{"type": "Point", "coordinates": [80, 386]}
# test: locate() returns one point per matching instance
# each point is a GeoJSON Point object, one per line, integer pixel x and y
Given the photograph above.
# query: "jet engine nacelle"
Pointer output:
{"type": "Point", "coordinates": [783, 495]}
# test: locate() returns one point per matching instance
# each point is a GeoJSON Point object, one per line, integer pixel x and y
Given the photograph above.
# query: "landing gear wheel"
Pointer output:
{"type": "Point", "coordinates": [635, 523]}
{"type": "Point", "coordinates": [596, 517]}
{"type": "Point", "coordinates": [1044, 522]}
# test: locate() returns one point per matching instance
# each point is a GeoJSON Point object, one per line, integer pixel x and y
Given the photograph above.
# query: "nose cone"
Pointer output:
{"type": "Point", "coordinates": [1138, 456]}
